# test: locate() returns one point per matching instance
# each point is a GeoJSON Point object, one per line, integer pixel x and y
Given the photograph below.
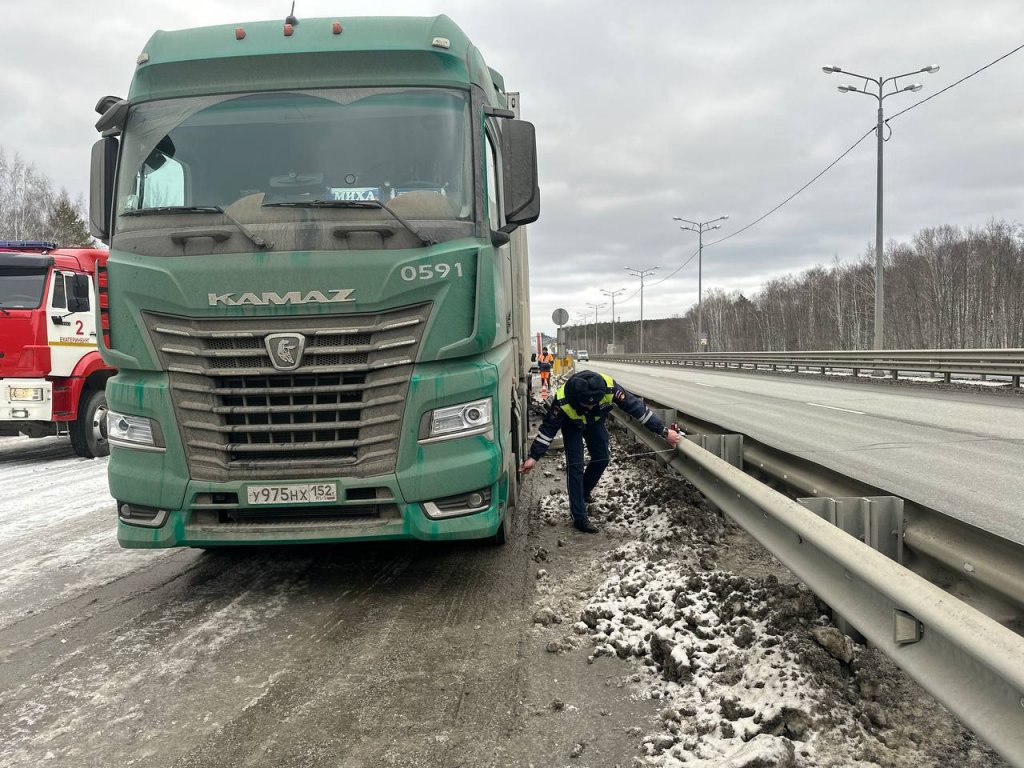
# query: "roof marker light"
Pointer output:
{"type": "Point", "coordinates": [288, 30]}
{"type": "Point", "coordinates": [441, 42]}
{"type": "Point", "coordinates": [239, 33]}
{"type": "Point", "coordinates": [336, 27]}
{"type": "Point", "coordinates": [143, 59]}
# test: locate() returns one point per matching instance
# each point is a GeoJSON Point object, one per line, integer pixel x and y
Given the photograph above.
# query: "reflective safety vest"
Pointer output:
{"type": "Point", "coordinates": [603, 406]}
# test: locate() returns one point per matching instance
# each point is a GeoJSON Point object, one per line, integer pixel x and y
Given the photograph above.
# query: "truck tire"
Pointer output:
{"type": "Point", "coordinates": [89, 430]}
{"type": "Point", "coordinates": [504, 532]}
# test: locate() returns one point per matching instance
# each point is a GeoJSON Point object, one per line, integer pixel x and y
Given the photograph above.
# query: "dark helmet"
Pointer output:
{"type": "Point", "coordinates": [585, 388]}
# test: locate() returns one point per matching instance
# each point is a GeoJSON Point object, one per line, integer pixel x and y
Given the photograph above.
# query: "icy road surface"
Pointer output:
{"type": "Point", "coordinates": [666, 640]}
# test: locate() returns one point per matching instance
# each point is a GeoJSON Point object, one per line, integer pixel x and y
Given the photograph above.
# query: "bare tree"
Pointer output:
{"type": "Point", "coordinates": [29, 209]}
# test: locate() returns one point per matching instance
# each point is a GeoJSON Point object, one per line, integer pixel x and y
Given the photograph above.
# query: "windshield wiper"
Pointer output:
{"type": "Point", "coordinates": [174, 209]}
{"type": "Point", "coordinates": [258, 241]}
{"type": "Point", "coordinates": [5, 311]}
{"type": "Point", "coordinates": [353, 204]}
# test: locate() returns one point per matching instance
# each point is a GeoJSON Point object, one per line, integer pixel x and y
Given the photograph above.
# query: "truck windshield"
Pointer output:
{"type": "Point", "coordinates": [21, 287]}
{"type": "Point", "coordinates": [406, 147]}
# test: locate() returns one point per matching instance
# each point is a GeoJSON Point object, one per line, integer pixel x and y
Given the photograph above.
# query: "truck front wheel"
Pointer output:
{"type": "Point", "coordinates": [89, 430]}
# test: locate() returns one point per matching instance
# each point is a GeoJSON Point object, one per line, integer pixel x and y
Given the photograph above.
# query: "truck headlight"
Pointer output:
{"type": "Point", "coordinates": [26, 394]}
{"type": "Point", "coordinates": [472, 418]}
{"type": "Point", "coordinates": [133, 432]}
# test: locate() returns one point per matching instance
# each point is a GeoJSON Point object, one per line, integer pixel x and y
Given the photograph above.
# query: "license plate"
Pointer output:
{"type": "Point", "coordinates": [293, 493]}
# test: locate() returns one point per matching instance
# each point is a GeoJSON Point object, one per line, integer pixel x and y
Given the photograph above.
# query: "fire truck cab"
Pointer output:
{"type": "Point", "coordinates": [52, 378]}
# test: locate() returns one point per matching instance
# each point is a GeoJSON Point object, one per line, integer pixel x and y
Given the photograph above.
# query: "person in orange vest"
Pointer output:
{"type": "Point", "coordinates": [545, 363]}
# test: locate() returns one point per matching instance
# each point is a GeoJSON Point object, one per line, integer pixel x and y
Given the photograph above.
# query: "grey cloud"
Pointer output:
{"type": "Point", "coordinates": [643, 112]}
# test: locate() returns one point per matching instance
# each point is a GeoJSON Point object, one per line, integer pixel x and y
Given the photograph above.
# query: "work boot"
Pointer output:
{"type": "Point", "coordinates": [584, 525]}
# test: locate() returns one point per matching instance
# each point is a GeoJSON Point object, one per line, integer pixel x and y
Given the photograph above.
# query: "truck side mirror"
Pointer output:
{"type": "Point", "coordinates": [78, 299]}
{"type": "Point", "coordinates": [519, 158]}
{"type": "Point", "coordinates": [101, 187]}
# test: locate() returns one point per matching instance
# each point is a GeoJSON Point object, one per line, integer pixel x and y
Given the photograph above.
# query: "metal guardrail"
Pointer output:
{"type": "Point", "coordinates": [1008, 363]}
{"type": "Point", "coordinates": [969, 662]}
{"type": "Point", "coordinates": [936, 545]}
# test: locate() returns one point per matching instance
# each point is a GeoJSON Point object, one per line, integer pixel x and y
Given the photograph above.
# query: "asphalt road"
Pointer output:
{"type": "Point", "coordinates": [961, 453]}
{"type": "Point", "coordinates": [412, 655]}
{"type": "Point", "coordinates": [405, 654]}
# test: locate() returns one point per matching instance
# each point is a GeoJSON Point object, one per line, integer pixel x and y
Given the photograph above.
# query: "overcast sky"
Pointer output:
{"type": "Point", "coordinates": [644, 111]}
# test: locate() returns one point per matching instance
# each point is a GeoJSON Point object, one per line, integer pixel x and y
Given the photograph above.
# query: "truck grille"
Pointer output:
{"type": "Point", "coordinates": [337, 414]}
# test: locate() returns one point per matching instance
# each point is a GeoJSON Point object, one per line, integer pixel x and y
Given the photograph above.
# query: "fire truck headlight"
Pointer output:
{"type": "Point", "coordinates": [472, 418]}
{"type": "Point", "coordinates": [26, 394]}
{"type": "Point", "coordinates": [133, 432]}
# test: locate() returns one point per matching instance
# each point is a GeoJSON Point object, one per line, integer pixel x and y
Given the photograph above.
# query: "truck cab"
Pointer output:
{"type": "Point", "coordinates": [317, 290]}
{"type": "Point", "coordinates": [52, 377]}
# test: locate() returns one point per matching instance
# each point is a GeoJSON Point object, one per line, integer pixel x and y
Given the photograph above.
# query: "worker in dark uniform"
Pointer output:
{"type": "Point", "coordinates": [579, 410]}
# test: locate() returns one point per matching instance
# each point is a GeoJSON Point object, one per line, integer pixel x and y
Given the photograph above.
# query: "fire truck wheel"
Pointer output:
{"type": "Point", "coordinates": [89, 430]}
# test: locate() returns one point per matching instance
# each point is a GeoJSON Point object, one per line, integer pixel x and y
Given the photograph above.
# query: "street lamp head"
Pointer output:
{"type": "Point", "coordinates": [915, 87]}
{"type": "Point", "coordinates": [830, 70]}
{"type": "Point", "coordinates": [931, 68]}
{"type": "Point", "coordinates": [717, 226]}
{"type": "Point", "coordinates": [844, 88]}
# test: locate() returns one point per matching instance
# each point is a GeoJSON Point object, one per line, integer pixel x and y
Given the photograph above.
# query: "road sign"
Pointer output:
{"type": "Point", "coordinates": [560, 317]}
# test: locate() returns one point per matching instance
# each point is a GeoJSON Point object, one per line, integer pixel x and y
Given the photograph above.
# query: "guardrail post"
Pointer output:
{"type": "Point", "coordinates": [729, 448]}
{"type": "Point", "coordinates": [875, 520]}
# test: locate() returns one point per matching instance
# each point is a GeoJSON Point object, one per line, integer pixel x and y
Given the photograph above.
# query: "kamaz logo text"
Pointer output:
{"type": "Point", "coordinates": [292, 297]}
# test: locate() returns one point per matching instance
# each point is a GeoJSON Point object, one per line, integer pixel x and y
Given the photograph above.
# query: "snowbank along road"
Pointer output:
{"type": "Point", "coordinates": [669, 639]}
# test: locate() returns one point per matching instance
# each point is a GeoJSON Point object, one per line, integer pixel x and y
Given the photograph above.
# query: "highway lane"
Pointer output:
{"type": "Point", "coordinates": [958, 452]}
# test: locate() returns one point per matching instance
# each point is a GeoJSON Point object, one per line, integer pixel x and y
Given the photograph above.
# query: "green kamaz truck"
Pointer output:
{"type": "Point", "coordinates": [317, 294]}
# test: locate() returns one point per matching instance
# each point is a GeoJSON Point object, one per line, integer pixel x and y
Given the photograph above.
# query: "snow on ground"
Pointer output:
{"type": "Point", "coordinates": [58, 543]}
{"type": "Point", "coordinates": [921, 378]}
{"type": "Point", "coordinates": [743, 663]}
{"type": "Point", "coordinates": [748, 669]}
{"type": "Point", "coordinates": [57, 527]}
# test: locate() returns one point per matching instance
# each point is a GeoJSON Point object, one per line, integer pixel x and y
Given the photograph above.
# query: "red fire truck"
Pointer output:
{"type": "Point", "coordinates": [52, 379]}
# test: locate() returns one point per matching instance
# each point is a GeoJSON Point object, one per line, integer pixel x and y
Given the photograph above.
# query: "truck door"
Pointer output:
{"type": "Point", "coordinates": [71, 323]}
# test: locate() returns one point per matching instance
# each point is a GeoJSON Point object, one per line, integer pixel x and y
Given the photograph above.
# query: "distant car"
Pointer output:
{"type": "Point", "coordinates": [582, 356]}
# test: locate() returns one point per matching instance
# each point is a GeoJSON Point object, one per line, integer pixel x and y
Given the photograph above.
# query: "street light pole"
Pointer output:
{"type": "Point", "coordinates": [642, 273]}
{"type": "Point", "coordinates": [700, 227]}
{"type": "Point", "coordinates": [880, 95]}
{"type": "Point", "coordinates": [596, 307]}
{"type": "Point", "coordinates": [613, 294]}
{"type": "Point", "coordinates": [585, 317]}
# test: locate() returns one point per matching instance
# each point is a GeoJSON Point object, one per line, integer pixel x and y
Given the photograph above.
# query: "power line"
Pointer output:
{"type": "Point", "coordinates": [765, 216]}
{"type": "Point", "coordinates": [954, 85]}
{"type": "Point", "coordinates": [805, 186]}
{"type": "Point", "coordinates": [829, 167]}
{"type": "Point", "coordinates": [833, 163]}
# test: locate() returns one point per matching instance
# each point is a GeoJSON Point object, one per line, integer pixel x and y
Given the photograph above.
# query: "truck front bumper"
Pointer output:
{"type": "Point", "coordinates": [205, 524]}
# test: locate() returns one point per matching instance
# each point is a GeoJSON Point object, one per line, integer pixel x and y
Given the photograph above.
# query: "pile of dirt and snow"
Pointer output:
{"type": "Point", "coordinates": [744, 663]}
